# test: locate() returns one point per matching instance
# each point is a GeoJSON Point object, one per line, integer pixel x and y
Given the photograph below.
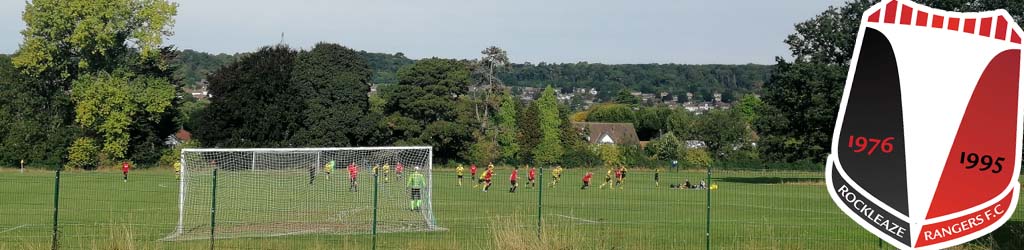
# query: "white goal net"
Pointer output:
{"type": "Point", "coordinates": [228, 193]}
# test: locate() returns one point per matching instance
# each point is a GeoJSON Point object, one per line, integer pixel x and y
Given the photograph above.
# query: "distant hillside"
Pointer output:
{"type": "Point", "coordinates": [193, 66]}
{"type": "Point", "coordinates": [385, 66]}
{"type": "Point", "coordinates": [648, 78]}
{"type": "Point", "coordinates": [702, 80]}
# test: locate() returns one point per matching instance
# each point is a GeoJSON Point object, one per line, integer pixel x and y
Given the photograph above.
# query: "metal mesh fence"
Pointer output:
{"type": "Point", "coordinates": [749, 210]}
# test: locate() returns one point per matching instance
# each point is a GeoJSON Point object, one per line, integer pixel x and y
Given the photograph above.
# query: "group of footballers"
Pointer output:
{"type": "Point", "coordinates": [415, 183]}
{"type": "Point", "coordinates": [487, 176]}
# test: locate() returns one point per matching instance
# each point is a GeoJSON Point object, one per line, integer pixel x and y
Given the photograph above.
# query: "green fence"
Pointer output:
{"type": "Point", "coordinates": [749, 210]}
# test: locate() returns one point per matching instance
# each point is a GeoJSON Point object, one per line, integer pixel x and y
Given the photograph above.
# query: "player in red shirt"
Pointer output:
{"type": "Point", "coordinates": [353, 172]}
{"type": "Point", "coordinates": [586, 179]}
{"type": "Point", "coordinates": [398, 170]}
{"type": "Point", "coordinates": [124, 170]}
{"type": "Point", "coordinates": [618, 177]}
{"type": "Point", "coordinates": [472, 171]}
{"type": "Point", "coordinates": [513, 178]}
{"type": "Point", "coordinates": [531, 175]}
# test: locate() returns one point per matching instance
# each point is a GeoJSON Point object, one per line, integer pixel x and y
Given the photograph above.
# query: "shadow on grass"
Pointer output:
{"type": "Point", "coordinates": [772, 180]}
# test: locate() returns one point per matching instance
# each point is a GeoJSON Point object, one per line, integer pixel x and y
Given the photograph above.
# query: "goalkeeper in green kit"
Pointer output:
{"type": "Point", "coordinates": [415, 184]}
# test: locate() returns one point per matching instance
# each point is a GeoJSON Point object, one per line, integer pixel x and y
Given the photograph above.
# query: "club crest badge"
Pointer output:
{"type": "Point", "coordinates": [926, 149]}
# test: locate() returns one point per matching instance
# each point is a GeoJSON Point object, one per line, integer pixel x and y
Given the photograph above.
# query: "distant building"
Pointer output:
{"type": "Point", "coordinates": [608, 133]}
{"type": "Point", "coordinates": [529, 93]}
{"type": "Point", "coordinates": [695, 144]}
{"type": "Point", "coordinates": [647, 97]}
{"type": "Point", "coordinates": [565, 97]}
{"type": "Point", "coordinates": [178, 138]}
{"type": "Point", "coordinates": [199, 92]}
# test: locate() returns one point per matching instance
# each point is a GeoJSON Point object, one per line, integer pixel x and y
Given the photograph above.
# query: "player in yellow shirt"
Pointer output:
{"type": "Point", "coordinates": [607, 180]}
{"type": "Point", "coordinates": [177, 170]}
{"type": "Point", "coordinates": [385, 169]}
{"type": "Point", "coordinates": [556, 174]}
{"type": "Point", "coordinates": [458, 171]}
{"type": "Point", "coordinates": [328, 168]}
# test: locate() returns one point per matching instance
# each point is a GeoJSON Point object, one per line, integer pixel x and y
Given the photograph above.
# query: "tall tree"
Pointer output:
{"type": "Point", "coordinates": [529, 131]}
{"type": "Point", "coordinates": [682, 124]}
{"type": "Point", "coordinates": [90, 48]}
{"type": "Point", "coordinates": [802, 97]}
{"type": "Point", "coordinates": [428, 106]}
{"type": "Point", "coordinates": [549, 150]}
{"type": "Point", "coordinates": [722, 131]}
{"type": "Point", "coordinates": [650, 122]}
{"type": "Point", "coordinates": [254, 102]}
{"type": "Point", "coordinates": [333, 81]}
{"type": "Point", "coordinates": [65, 38]}
{"type": "Point", "coordinates": [109, 104]}
{"type": "Point", "coordinates": [494, 59]}
{"type": "Point", "coordinates": [507, 129]}
{"type": "Point", "coordinates": [33, 119]}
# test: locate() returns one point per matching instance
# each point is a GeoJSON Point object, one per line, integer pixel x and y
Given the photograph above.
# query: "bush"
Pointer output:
{"type": "Point", "coordinates": [664, 147]}
{"type": "Point", "coordinates": [169, 157]}
{"type": "Point", "coordinates": [83, 154]}
{"type": "Point", "coordinates": [580, 156]}
{"type": "Point", "coordinates": [694, 157]}
{"type": "Point", "coordinates": [633, 156]}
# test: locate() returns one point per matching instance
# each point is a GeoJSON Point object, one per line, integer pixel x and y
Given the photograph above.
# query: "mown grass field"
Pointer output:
{"type": "Point", "coordinates": [750, 210]}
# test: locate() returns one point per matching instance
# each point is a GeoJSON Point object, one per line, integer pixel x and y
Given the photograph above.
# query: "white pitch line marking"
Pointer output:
{"type": "Point", "coordinates": [574, 218]}
{"type": "Point", "coordinates": [14, 228]}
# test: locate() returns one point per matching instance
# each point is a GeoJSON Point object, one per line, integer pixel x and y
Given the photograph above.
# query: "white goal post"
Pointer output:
{"type": "Point", "coordinates": [263, 192]}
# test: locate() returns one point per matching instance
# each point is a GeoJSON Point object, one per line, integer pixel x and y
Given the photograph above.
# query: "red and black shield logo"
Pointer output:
{"type": "Point", "coordinates": [926, 150]}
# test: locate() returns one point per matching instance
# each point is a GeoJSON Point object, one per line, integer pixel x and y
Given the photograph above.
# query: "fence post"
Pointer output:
{"type": "Point", "coordinates": [374, 229]}
{"type": "Point", "coordinates": [707, 234]}
{"type": "Point", "coordinates": [213, 209]}
{"type": "Point", "coordinates": [56, 203]}
{"type": "Point", "coordinates": [540, 193]}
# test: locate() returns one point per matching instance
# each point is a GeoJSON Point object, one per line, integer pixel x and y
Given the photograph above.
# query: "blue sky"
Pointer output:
{"type": "Point", "coordinates": [597, 31]}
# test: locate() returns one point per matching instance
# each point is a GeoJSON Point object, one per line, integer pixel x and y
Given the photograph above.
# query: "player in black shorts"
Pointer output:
{"type": "Point", "coordinates": [656, 172]}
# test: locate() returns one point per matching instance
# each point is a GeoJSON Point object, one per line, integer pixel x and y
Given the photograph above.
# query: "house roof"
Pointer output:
{"type": "Point", "coordinates": [620, 133]}
{"type": "Point", "coordinates": [183, 135]}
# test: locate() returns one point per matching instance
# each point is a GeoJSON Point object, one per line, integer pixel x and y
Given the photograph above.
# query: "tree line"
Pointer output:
{"type": "Point", "coordinates": [108, 90]}
{"type": "Point", "coordinates": [192, 67]}
{"type": "Point", "coordinates": [802, 96]}
{"type": "Point", "coordinates": [701, 80]}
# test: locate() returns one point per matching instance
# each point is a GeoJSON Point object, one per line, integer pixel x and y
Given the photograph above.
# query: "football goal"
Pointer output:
{"type": "Point", "coordinates": [230, 193]}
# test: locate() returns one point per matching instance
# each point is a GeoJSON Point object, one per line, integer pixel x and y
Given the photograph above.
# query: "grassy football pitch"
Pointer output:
{"type": "Point", "coordinates": [750, 210]}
